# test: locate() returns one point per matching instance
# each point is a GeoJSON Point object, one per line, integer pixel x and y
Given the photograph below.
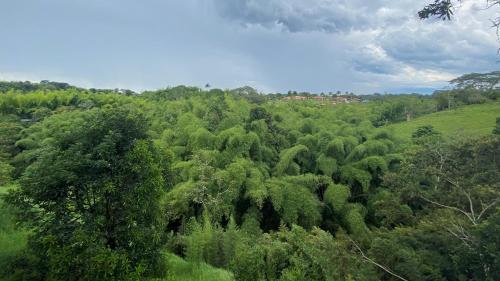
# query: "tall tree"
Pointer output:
{"type": "Point", "coordinates": [482, 81]}
{"type": "Point", "coordinates": [91, 196]}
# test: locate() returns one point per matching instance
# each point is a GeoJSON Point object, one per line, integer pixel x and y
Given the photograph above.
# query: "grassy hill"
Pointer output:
{"type": "Point", "coordinates": [466, 120]}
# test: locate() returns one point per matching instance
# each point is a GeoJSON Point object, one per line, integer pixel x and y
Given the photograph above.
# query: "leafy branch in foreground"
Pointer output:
{"type": "Point", "coordinates": [444, 10]}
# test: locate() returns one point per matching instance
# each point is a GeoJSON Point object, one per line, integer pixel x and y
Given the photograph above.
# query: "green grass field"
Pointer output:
{"type": "Point", "coordinates": [467, 120]}
{"type": "Point", "coordinates": [181, 270]}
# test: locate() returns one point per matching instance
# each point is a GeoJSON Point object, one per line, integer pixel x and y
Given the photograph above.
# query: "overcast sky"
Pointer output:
{"type": "Point", "coordinates": [363, 46]}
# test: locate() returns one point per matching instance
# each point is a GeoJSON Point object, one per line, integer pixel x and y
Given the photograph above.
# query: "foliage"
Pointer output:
{"type": "Point", "coordinates": [424, 131]}
{"type": "Point", "coordinates": [12, 240]}
{"type": "Point", "coordinates": [6, 171]}
{"type": "Point", "coordinates": [443, 9]}
{"type": "Point", "coordinates": [336, 196]}
{"type": "Point", "coordinates": [478, 80]}
{"type": "Point", "coordinates": [295, 204]}
{"type": "Point", "coordinates": [91, 195]}
{"type": "Point", "coordinates": [496, 130]}
{"type": "Point", "coordinates": [181, 270]}
{"type": "Point", "coordinates": [288, 158]}
{"type": "Point", "coordinates": [259, 187]}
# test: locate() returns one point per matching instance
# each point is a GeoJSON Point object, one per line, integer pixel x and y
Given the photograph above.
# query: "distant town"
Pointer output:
{"type": "Point", "coordinates": [333, 100]}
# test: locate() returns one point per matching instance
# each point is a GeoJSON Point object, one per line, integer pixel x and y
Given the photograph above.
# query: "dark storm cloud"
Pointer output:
{"type": "Point", "coordinates": [297, 15]}
{"type": "Point", "coordinates": [459, 48]}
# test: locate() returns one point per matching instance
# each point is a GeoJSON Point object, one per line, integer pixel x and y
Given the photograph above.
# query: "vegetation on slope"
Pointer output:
{"type": "Point", "coordinates": [472, 120]}
{"type": "Point", "coordinates": [12, 240]}
{"type": "Point", "coordinates": [181, 270]}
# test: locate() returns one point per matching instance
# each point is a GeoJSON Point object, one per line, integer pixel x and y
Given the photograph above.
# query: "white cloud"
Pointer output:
{"type": "Point", "coordinates": [16, 76]}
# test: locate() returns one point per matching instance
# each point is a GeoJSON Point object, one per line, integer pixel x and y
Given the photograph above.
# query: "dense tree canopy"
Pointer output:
{"type": "Point", "coordinates": [487, 81]}
{"type": "Point", "coordinates": [93, 179]}
{"type": "Point", "coordinates": [269, 189]}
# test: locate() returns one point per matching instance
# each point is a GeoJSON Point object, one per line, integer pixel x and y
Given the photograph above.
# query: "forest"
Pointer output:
{"type": "Point", "coordinates": [185, 183]}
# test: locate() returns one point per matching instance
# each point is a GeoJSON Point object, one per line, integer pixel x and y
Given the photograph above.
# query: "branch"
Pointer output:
{"type": "Point", "coordinates": [487, 207]}
{"type": "Point", "coordinates": [374, 262]}
{"type": "Point", "coordinates": [442, 9]}
{"type": "Point", "coordinates": [450, 181]}
{"type": "Point", "coordinates": [472, 219]}
{"type": "Point", "coordinates": [471, 206]}
{"type": "Point", "coordinates": [462, 235]}
{"type": "Point", "coordinates": [491, 3]}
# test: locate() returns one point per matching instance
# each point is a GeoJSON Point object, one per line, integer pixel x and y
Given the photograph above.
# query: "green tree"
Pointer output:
{"type": "Point", "coordinates": [486, 81]}
{"type": "Point", "coordinates": [425, 134]}
{"type": "Point", "coordinates": [424, 131]}
{"type": "Point", "coordinates": [91, 196]}
{"type": "Point", "coordinates": [5, 173]}
{"type": "Point", "coordinates": [456, 184]}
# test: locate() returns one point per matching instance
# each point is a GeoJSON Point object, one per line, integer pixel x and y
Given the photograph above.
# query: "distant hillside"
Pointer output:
{"type": "Point", "coordinates": [468, 120]}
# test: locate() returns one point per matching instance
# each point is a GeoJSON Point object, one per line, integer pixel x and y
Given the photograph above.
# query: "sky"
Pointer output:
{"type": "Point", "coordinates": [363, 46]}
